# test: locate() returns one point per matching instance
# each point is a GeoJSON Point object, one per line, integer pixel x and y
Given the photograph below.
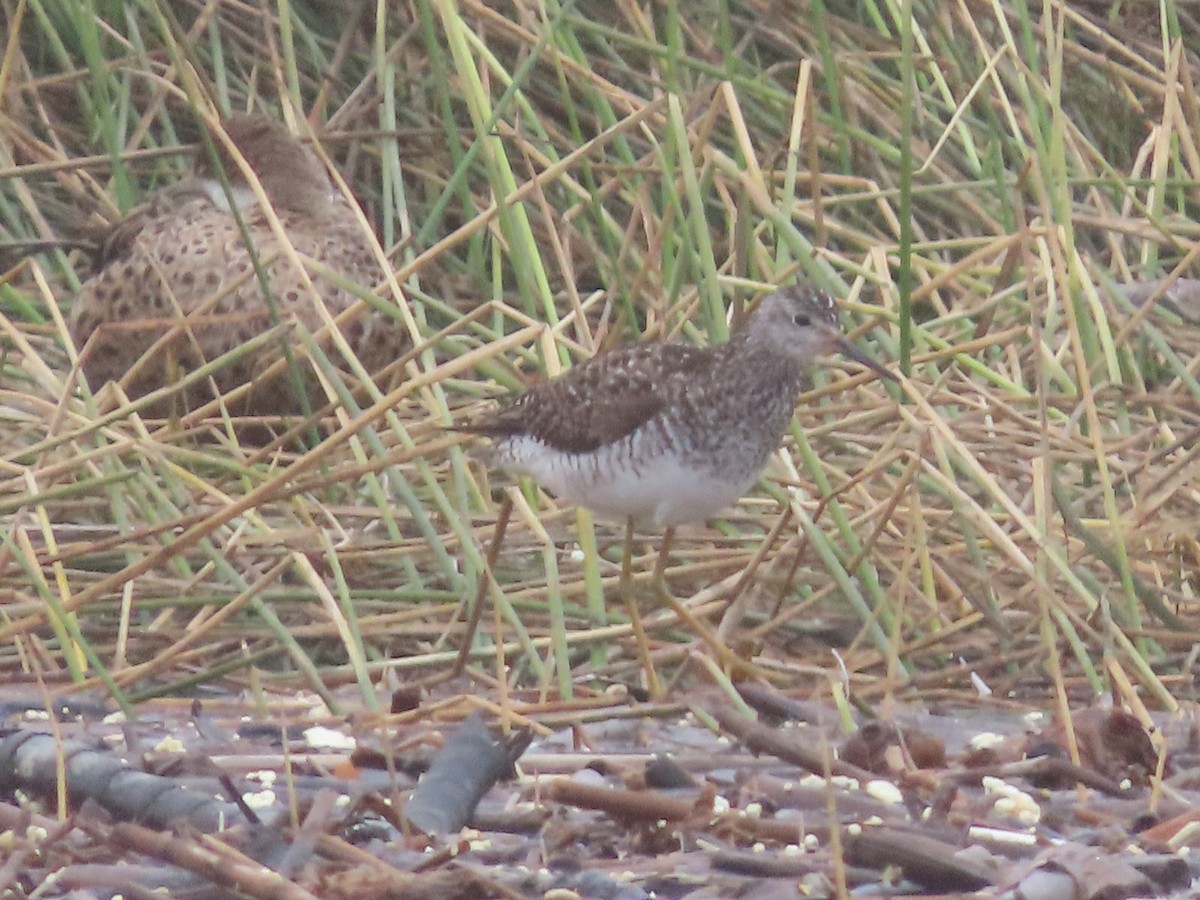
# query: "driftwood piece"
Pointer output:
{"type": "Point", "coordinates": [459, 775]}
{"type": "Point", "coordinates": [33, 762]}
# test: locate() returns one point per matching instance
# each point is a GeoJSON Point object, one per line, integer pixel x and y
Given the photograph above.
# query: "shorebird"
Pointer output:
{"type": "Point", "coordinates": [176, 277]}
{"type": "Point", "coordinates": [657, 435]}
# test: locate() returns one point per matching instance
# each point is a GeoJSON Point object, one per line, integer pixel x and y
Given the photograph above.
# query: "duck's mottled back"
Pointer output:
{"type": "Point", "coordinates": [176, 275]}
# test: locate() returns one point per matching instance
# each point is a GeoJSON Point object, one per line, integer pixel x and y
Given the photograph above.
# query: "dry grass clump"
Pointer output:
{"type": "Point", "coordinates": [548, 180]}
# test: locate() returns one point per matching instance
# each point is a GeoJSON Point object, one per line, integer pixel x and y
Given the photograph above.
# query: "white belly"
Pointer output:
{"type": "Point", "coordinates": [658, 492]}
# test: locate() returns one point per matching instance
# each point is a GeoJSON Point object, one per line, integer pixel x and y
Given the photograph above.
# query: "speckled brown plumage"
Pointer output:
{"type": "Point", "coordinates": [602, 400]}
{"type": "Point", "coordinates": [179, 265]}
{"type": "Point", "coordinates": [665, 433]}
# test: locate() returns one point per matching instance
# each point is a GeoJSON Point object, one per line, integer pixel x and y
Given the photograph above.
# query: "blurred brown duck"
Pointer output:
{"type": "Point", "coordinates": [176, 275]}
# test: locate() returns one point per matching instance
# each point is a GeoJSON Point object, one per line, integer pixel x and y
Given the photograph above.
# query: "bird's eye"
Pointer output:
{"type": "Point", "coordinates": [801, 319]}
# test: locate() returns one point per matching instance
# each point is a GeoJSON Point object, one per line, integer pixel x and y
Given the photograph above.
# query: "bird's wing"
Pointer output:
{"type": "Point", "coordinates": [602, 400]}
{"type": "Point", "coordinates": [117, 242]}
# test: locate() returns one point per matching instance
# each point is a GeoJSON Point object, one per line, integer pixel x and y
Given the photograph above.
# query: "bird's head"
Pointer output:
{"type": "Point", "coordinates": [291, 175]}
{"type": "Point", "coordinates": [802, 323]}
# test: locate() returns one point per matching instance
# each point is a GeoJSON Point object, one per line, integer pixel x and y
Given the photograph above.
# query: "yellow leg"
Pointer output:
{"type": "Point", "coordinates": [653, 685]}
{"type": "Point", "coordinates": [660, 564]}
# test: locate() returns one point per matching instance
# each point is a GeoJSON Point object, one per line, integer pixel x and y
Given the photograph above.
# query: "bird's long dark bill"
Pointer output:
{"type": "Point", "coordinates": [858, 356]}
